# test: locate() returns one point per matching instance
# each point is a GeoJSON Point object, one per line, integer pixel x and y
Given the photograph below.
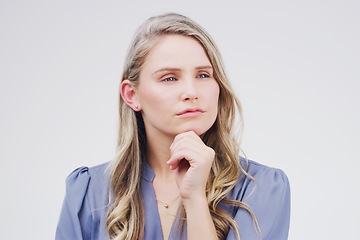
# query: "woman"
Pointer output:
{"type": "Point", "coordinates": [177, 174]}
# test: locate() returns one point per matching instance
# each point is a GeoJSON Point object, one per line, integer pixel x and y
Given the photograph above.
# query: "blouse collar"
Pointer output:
{"type": "Point", "coordinates": [147, 173]}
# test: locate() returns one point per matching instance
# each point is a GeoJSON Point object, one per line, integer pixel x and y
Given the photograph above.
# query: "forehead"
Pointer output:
{"type": "Point", "coordinates": [176, 51]}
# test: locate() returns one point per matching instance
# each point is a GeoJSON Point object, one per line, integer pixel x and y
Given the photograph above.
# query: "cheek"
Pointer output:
{"type": "Point", "coordinates": [156, 99]}
{"type": "Point", "coordinates": [215, 92]}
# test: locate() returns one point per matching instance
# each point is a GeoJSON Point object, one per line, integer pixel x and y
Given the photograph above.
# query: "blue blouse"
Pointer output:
{"type": "Point", "coordinates": [85, 207]}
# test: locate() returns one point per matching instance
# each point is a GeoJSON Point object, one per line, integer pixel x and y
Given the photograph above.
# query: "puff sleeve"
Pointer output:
{"type": "Point", "coordinates": [75, 212]}
{"type": "Point", "coordinates": [269, 199]}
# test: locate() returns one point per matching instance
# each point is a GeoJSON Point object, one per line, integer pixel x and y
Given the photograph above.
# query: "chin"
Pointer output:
{"type": "Point", "coordinates": [199, 130]}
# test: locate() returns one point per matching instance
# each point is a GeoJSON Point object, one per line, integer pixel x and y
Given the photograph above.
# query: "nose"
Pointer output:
{"type": "Point", "coordinates": [189, 92]}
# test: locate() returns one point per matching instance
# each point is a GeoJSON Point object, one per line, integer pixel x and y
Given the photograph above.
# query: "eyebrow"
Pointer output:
{"type": "Point", "coordinates": [204, 67]}
{"type": "Point", "coordinates": [166, 69]}
{"type": "Point", "coordinates": [178, 69]}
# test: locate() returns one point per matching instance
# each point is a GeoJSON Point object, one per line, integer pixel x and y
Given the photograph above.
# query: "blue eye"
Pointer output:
{"type": "Point", "coordinates": [169, 79]}
{"type": "Point", "coordinates": [203, 75]}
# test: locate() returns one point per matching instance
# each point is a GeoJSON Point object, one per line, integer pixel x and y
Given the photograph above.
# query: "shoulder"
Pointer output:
{"type": "Point", "coordinates": [262, 173]}
{"type": "Point", "coordinates": [87, 180]}
{"type": "Point", "coordinates": [85, 202]}
{"type": "Point", "coordinates": [82, 175]}
{"type": "Point", "coordinates": [266, 191]}
{"type": "Point", "coordinates": [262, 182]}
{"type": "Point", "coordinates": [265, 174]}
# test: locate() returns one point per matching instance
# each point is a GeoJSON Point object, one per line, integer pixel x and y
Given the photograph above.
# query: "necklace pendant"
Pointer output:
{"type": "Point", "coordinates": [166, 206]}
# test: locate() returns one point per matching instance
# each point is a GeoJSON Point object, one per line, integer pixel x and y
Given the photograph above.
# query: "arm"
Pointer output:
{"type": "Point", "coordinates": [72, 216]}
{"type": "Point", "coordinates": [199, 222]}
{"type": "Point", "coordinates": [276, 217]}
{"type": "Point", "coordinates": [270, 202]}
{"type": "Point", "coordinates": [192, 160]}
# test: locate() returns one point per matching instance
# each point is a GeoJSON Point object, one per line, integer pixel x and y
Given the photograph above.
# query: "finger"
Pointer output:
{"type": "Point", "coordinates": [186, 141]}
{"type": "Point", "coordinates": [185, 135]}
{"type": "Point", "coordinates": [183, 167]}
{"type": "Point", "coordinates": [187, 146]}
{"type": "Point", "coordinates": [179, 155]}
{"type": "Point", "coordinates": [194, 152]}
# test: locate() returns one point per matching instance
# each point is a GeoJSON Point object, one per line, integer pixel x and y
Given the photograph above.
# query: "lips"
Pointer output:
{"type": "Point", "coordinates": [191, 112]}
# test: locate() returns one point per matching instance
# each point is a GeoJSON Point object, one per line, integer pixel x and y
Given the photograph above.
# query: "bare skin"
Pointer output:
{"type": "Point", "coordinates": [166, 191]}
{"type": "Point", "coordinates": [164, 184]}
{"type": "Point", "coordinates": [177, 95]}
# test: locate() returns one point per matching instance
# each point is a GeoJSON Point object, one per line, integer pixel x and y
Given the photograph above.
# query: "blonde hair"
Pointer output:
{"type": "Point", "coordinates": [125, 218]}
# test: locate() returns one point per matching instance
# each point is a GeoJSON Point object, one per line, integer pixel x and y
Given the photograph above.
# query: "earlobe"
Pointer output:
{"type": "Point", "coordinates": [128, 94]}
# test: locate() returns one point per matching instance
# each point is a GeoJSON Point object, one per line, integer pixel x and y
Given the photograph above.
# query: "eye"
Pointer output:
{"type": "Point", "coordinates": [169, 79]}
{"type": "Point", "coordinates": [203, 75]}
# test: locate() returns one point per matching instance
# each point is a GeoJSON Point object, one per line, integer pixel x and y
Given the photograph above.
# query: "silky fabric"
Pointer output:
{"type": "Point", "coordinates": [84, 210]}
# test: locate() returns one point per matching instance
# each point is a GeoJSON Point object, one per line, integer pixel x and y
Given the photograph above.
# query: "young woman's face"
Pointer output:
{"type": "Point", "coordinates": [177, 91]}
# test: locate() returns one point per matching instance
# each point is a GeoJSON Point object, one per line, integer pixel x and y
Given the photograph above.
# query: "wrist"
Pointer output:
{"type": "Point", "coordinates": [195, 202]}
{"type": "Point", "coordinates": [199, 221]}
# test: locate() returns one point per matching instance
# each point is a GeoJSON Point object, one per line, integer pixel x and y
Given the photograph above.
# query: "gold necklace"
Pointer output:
{"type": "Point", "coordinates": [167, 205]}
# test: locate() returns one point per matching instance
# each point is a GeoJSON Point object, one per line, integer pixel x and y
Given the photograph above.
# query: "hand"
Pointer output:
{"type": "Point", "coordinates": [192, 159]}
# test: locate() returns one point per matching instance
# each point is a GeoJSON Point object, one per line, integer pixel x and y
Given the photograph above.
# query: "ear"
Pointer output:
{"type": "Point", "coordinates": [128, 94]}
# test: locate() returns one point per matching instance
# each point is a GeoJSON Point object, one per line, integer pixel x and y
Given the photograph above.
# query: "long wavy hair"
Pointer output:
{"type": "Point", "coordinates": [125, 218]}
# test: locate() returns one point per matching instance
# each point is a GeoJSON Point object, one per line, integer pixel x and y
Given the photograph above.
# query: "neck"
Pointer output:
{"type": "Point", "coordinates": [158, 153]}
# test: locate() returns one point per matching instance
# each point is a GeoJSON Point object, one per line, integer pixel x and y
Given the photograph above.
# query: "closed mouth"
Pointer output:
{"type": "Point", "coordinates": [190, 112]}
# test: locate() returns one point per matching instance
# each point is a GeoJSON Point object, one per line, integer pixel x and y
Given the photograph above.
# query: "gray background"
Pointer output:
{"type": "Point", "coordinates": [294, 65]}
